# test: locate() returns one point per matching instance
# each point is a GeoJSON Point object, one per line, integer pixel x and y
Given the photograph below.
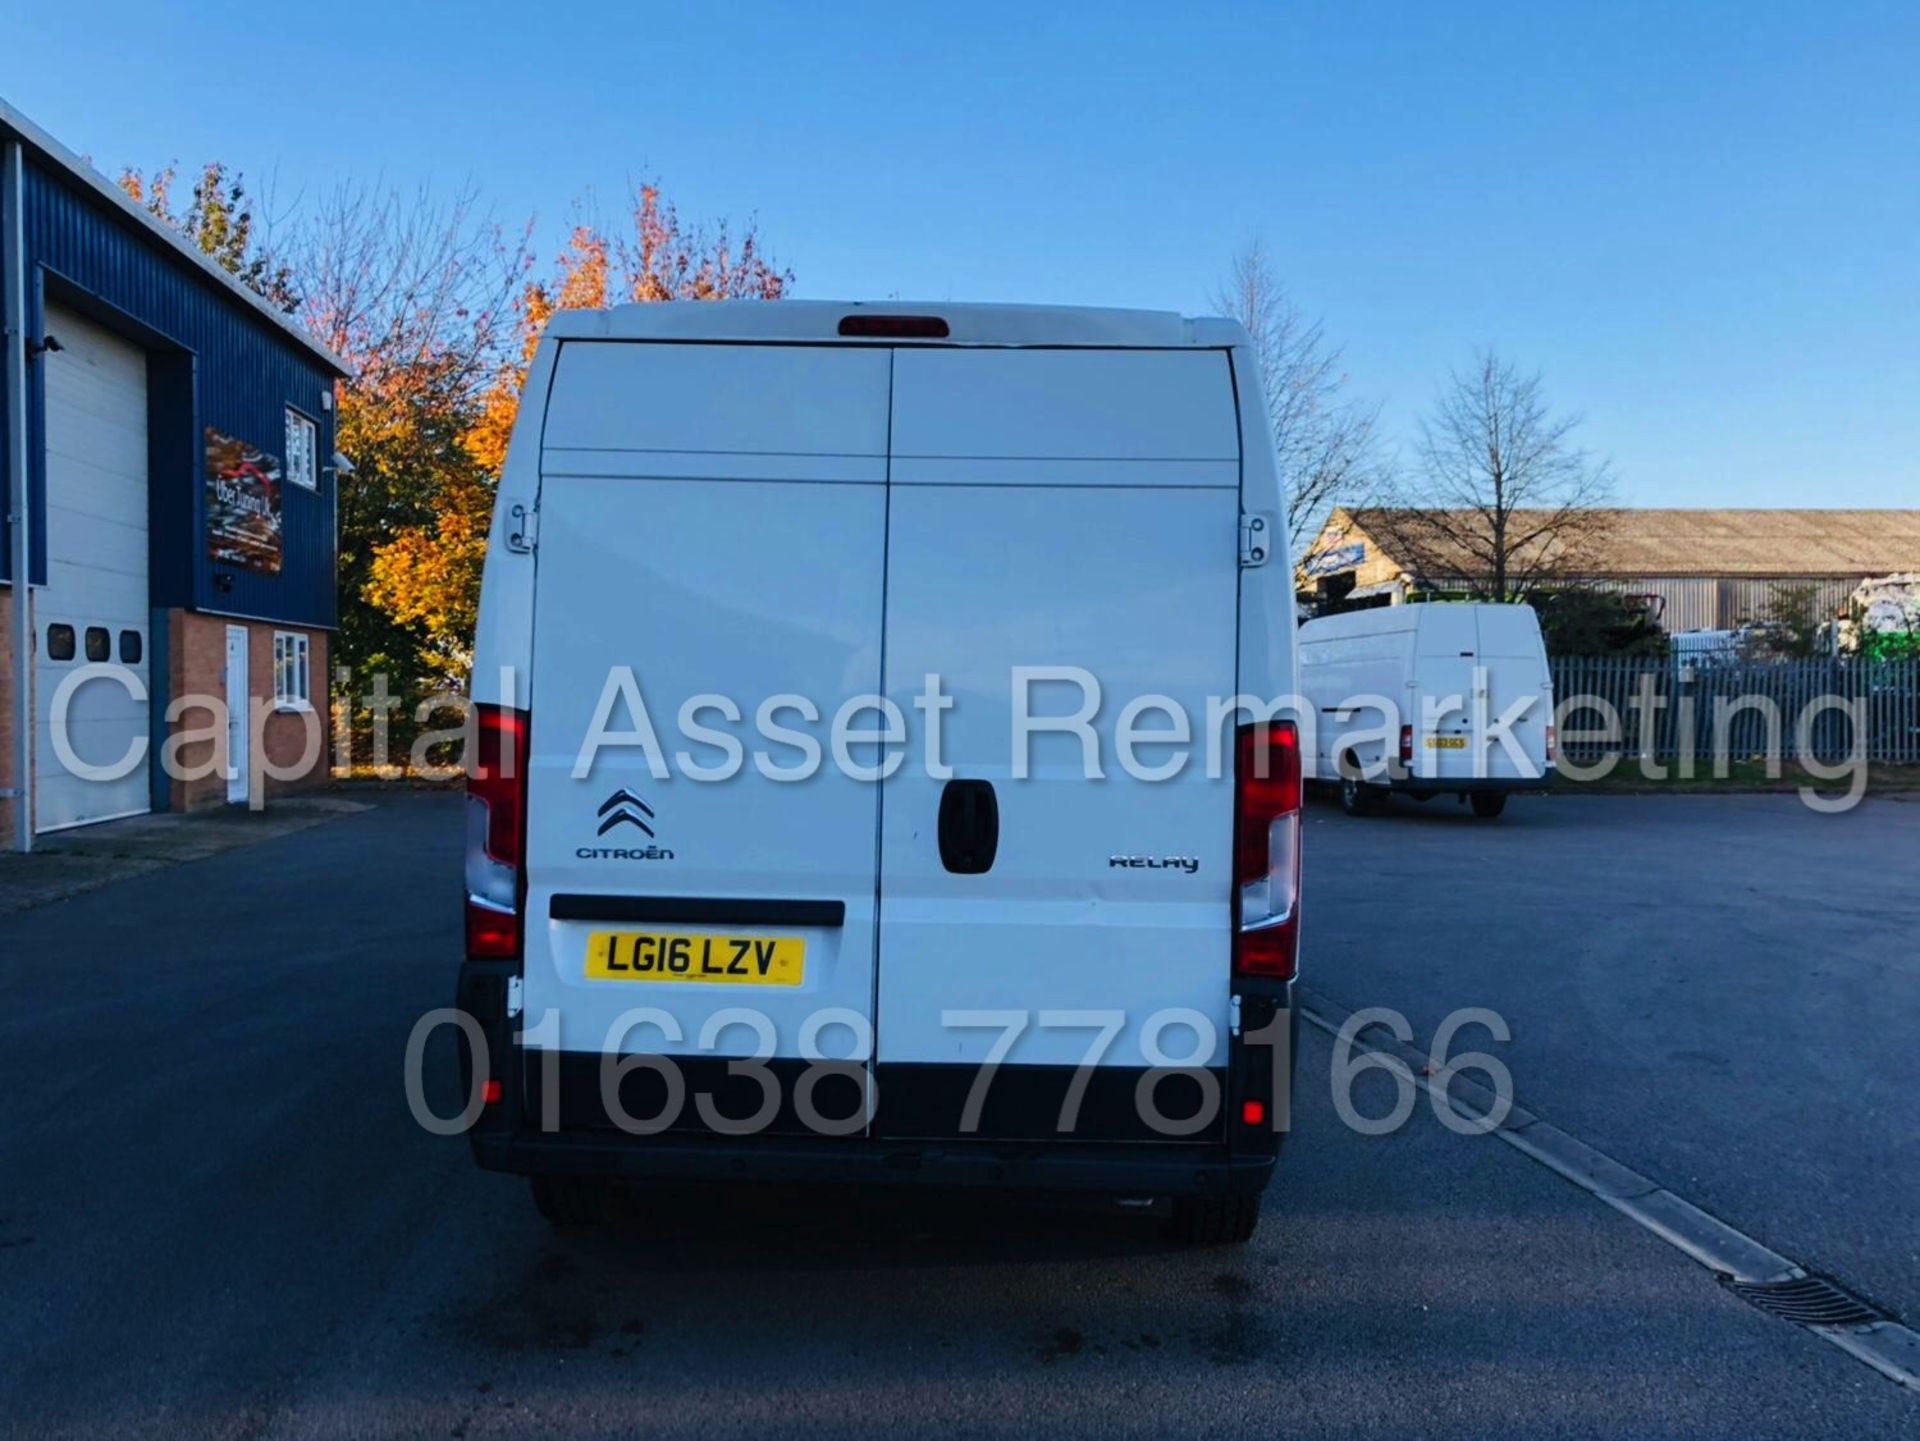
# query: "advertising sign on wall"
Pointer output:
{"type": "Point", "coordinates": [243, 504]}
{"type": "Point", "coordinates": [1344, 557]}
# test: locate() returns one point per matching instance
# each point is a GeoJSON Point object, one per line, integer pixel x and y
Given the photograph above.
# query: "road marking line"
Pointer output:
{"type": "Point", "coordinates": [1889, 1347]}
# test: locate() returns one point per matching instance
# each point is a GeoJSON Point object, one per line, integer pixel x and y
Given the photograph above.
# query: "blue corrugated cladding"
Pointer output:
{"type": "Point", "coordinates": [212, 361]}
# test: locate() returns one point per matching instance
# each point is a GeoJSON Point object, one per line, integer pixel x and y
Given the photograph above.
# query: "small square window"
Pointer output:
{"type": "Point", "coordinates": [303, 440]}
{"type": "Point", "coordinates": [99, 644]}
{"type": "Point", "coordinates": [291, 652]}
{"type": "Point", "coordinates": [130, 647]}
{"type": "Point", "coordinates": [59, 642]}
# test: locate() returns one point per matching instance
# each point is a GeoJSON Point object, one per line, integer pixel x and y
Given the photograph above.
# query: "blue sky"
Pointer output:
{"type": "Point", "coordinates": [1701, 221]}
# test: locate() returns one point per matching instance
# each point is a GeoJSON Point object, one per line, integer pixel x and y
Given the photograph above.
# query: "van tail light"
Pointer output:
{"type": "Point", "coordinates": [496, 833]}
{"type": "Point", "coordinates": [1406, 745]}
{"type": "Point", "coordinates": [1552, 741]}
{"type": "Point", "coordinates": [1267, 850]}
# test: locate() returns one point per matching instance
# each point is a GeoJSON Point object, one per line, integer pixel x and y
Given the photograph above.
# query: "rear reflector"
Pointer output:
{"type": "Point", "coordinates": [1267, 850]}
{"type": "Point", "coordinates": [490, 1093]}
{"type": "Point", "coordinates": [1252, 1113]}
{"type": "Point", "coordinates": [496, 832]}
{"type": "Point", "coordinates": [896, 327]}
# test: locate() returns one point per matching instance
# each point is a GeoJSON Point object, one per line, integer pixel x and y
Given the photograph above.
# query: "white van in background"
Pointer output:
{"type": "Point", "coordinates": [992, 974]}
{"type": "Point", "coordinates": [1406, 700]}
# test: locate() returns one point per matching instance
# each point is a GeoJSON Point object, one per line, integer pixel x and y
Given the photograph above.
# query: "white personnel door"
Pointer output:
{"type": "Point", "coordinates": [239, 751]}
{"type": "Point", "coordinates": [93, 609]}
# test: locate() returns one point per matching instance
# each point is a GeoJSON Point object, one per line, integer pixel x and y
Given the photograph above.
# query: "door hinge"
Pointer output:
{"type": "Point", "coordinates": [523, 532]}
{"type": "Point", "coordinates": [1256, 538]}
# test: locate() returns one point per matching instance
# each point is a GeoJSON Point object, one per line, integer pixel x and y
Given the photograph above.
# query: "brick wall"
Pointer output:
{"type": "Point", "coordinates": [198, 667]}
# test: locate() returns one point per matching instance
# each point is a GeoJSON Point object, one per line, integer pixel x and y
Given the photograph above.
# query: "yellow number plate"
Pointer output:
{"type": "Point", "coordinates": [717, 960]}
{"type": "Point", "coordinates": [1446, 743]}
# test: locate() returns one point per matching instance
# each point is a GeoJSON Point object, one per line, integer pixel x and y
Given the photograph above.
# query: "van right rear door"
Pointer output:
{"type": "Point", "coordinates": [1076, 510]}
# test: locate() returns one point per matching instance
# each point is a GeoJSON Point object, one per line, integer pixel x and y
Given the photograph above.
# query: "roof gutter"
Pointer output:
{"type": "Point", "coordinates": [13, 306]}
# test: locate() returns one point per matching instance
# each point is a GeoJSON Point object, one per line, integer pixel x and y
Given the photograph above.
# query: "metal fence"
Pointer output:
{"type": "Point", "coordinates": [1663, 708]}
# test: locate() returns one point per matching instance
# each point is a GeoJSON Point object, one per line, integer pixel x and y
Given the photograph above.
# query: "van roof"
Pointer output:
{"type": "Point", "coordinates": [818, 321]}
{"type": "Point", "coordinates": [1388, 619]}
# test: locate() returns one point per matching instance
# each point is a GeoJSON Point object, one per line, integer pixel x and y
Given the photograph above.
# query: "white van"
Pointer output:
{"type": "Point", "coordinates": [762, 931]}
{"type": "Point", "coordinates": [1429, 699]}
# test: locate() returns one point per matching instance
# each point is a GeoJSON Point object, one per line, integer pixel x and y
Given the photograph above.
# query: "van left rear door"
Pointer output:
{"type": "Point", "coordinates": [712, 524]}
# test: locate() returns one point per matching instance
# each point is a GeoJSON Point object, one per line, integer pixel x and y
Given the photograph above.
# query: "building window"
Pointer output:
{"type": "Point", "coordinates": [290, 671]}
{"type": "Point", "coordinates": [303, 438]}
{"type": "Point", "coordinates": [99, 644]}
{"type": "Point", "coordinates": [59, 642]}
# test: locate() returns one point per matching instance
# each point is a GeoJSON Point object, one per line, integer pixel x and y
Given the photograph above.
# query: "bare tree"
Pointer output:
{"type": "Point", "coordinates": [1504, 501]}
{"type": "Point", "coordinates": [416, 293]}
{"type": "Point", "coordinates": [1324, 439]}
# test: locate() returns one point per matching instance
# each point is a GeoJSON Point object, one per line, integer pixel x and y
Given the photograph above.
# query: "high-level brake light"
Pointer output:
{"type": "Point", "coordinates": [1267, 850]}
{"type": "Point", "coordinates": [895, 327]}
{"type": "Point", "coordinates": [496, 832]}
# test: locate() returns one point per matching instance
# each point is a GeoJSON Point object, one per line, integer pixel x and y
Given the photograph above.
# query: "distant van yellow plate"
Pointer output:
{"type": "Point", "coordinates": [709, 959]}
{"type": "Point", "coordinates": [1446, 743]}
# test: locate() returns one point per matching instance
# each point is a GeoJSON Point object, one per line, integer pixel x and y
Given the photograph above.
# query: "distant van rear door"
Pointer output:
{"type": "Point", "coordinates": [1487, 658]}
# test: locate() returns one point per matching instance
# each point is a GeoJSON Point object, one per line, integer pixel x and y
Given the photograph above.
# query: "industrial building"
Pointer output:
{"type": "Point", "coordinates": [167, 451]}
{"type": "Point", "coordinates": [1701, 569]}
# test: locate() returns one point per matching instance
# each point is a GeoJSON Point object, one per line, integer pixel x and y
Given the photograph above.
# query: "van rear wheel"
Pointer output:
{"type": "Point", "coordinates": [570, 1202]}
{"type": "Point", "coordinates": [1357, 798]}
{"type": "Point", "coordinates": [1216, 1220]}
{"type": "Point", "coordinates": [1487, 804]}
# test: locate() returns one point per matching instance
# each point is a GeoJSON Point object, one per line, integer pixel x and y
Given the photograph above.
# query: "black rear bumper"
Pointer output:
{"type": "Point", "coordinates": [1077, 1166]}
{"type": "Point", "coordinates": [1448, 785]}
{"type": "Point", "coordinates": [551, 1117]}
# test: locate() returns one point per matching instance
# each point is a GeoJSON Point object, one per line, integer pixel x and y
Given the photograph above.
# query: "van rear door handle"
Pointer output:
{"type": "Point", "coordinates": [969, 827]}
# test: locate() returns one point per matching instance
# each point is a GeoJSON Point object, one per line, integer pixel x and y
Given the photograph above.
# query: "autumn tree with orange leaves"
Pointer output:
{"type": "Point", "coordinates": [428, 574]}
{"type": "Point", "coordinates": [436, 310]}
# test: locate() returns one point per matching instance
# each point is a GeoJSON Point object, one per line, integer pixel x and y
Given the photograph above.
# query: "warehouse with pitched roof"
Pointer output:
{"type": "Point", "coordinates": [1701, 569]}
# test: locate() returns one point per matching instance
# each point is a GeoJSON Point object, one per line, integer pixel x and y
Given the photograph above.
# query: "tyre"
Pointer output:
{"type": "Point", "coordinates": [1357, 798]}
{"type": "Point", "coordinates": [1216, 1220]}
{"type": "Point", "coordinates": [1487, 804]}
{"type": "Point", "coordinates": [569, 1202]}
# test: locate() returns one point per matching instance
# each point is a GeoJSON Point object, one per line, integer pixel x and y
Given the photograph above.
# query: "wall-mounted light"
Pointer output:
{"type": "Point", "coordinates": [37, 348]}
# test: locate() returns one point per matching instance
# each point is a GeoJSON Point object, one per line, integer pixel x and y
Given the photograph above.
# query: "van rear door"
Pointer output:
{"type": "Point", "coordinates": [1482, 659]}
{"type": "Point", "coordinates": [1514, 658]}
{"type": "Point", "coordinates": [712, 522]}
{"type": "Point", "coordinates": [1073, 509]}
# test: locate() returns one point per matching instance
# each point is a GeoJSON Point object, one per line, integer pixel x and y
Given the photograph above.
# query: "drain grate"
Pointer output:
{"type": "Point", "coordinates": [1807, 1301]}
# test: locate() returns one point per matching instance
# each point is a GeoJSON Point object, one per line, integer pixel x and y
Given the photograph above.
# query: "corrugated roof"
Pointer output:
{"type": "Point", "coordinates": [43, 145]}
{"type": "Point", "coordinates": [1682, 542]}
